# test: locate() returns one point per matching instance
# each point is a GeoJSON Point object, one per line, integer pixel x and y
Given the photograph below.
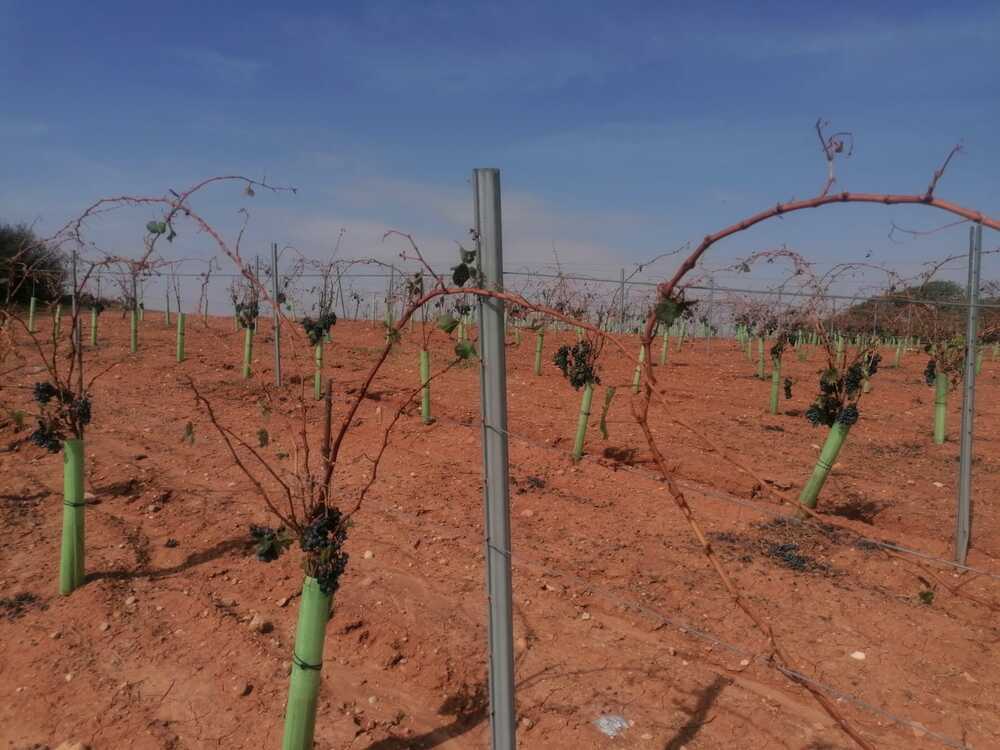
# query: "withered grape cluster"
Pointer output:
{"type": "Point", "coordinates": [323, 541]}
{"type": "Point", "coordinates": [578, 364]}
{"type": "Point", "coordinates": [317, 328]}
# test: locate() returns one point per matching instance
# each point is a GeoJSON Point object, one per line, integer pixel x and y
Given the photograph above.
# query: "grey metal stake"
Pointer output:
{"type": "Point", "coordinates": [963, 520]}
{"type": "Point", "coordinates": [493, 382]}
{"type": "Point", "coordinates": [275, 308]}
{"type": "Point", "coordinates": [621, 315]}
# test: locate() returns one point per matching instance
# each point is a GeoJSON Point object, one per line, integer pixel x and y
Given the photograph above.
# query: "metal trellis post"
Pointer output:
{"type": "Point", "coordinates": [276, 309]}
{"type": "Point", "coordinates": [963, 520]}
{"type": "Point", "coordinates": [493, 381]}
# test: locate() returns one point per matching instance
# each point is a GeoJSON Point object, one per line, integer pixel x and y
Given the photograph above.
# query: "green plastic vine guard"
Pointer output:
{"type": "Point", "coordinates": [318, 373]}
{"type": "Point", "coordinates": [71, 557]}
{"type": "Point", "coordinates": [665, 349]}
{"type": "Point", "coordinates": [133, 331]}
{"type": "Point", "coordinates": [247, 351]}
{"type": "Point", "coordinates": [827, 458]}
{"type": "Point", "coordinates": [32, 307]}
{"type": "Point", "coordinates": [93, 326]}
{"type": "Point", "coordinates": [760, 357]}
{"type": "Point", "coordinates": [57, 322]}
{"type": "Point", "coordinates": [775, 384]}
{"type": "Point", "coordinates": [940, 407]}
{"type": "Point", "coordinates": [637, 375]}
{"type": "Point", "coordinates": [180, 336]}
{"type": "Point", "coordinates": [425, 387]}
{"type": "Point", "coordinates": [899, 355]}
{"type": "Point", "coordinates": [539, 341]}
{"type": "Point", "coordinates": [307, 661]}
{"type": "Point", "coordinates": [581, 424]}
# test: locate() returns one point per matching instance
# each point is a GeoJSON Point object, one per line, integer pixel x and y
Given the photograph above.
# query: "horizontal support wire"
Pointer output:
{"type": "Point", "coordinates": [855, 298]}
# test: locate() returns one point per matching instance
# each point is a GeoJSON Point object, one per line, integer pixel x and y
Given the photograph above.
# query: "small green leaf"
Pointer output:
{"type": "Point", "coordinates": [667, 311]}
{"type": "Point", "coordinates": [465, 350]}
{"type": "Point", "coordinates": [447, 322]}
{"type": "Point", "coordinates": [156, 227]}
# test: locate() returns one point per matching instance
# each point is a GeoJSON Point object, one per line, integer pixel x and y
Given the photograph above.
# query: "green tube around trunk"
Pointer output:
{"type": "Point", "coordinates": [940, 406]}
{"type": "Point", "coordinates": [775, 384]}
{"type": "Point", "coordinates": [72, 552]}
{"type": "Point", "coordinates": [749, 349]}
{"type": "Point", "coordinates": [318, 374]}
{"type": "Point", "coordinates": [665, 349]}
{"type": "Point", "coordinates": [142, 311]}
{"type": "Point", "coordinates": [32, 307]}
{"type": "Point", "coordinates": [93, 326]}
{"type": "Point", "coordinates": [517, 334]}
{"type": "Point", "coordinates": [979, 360]}
{"type": "Point", "coordinates": [996, 350]}
{"type": "Point", "coordinates": [462, 335]}
{"type": "Point", "coordinates": [180, 337]}
{"type": "Point", "coordinates": [57, 322]}
{"type": "Point", "coordinates": [307, 661]}
{"type": "Point", "coordinates": [637, 376]}
{"type": "Point", "coordinates": [247, 351]}
{"type": "Point", "coordinates": [539, 341]}
{"type": "Point", "coordinates": [827, 458]}
{"type": "Point", "coordinates": [581, 424]}
{"type": "Point", "coordinates": [133, 331]}
{"type": "Point", "coordinates": [841, 353]}
{"type": "Point", "coordinates": [236, 322]}
{"type": "Point", "coordinates": [899, 355]}
{"type": "Point", "coordinates": [425, 387]}
{"type": "Point", "coordinates": [760, 358]}
{"type": "Point", "coordinates": [166, 314]}
{"type": "Point", "coordinates": [680, 340]}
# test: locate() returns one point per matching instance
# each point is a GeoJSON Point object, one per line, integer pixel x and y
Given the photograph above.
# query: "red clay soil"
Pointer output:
{"type": "Point", "coordinates": [616, 609]}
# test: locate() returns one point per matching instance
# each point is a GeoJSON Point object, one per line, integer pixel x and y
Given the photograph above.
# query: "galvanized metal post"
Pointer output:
{"type": "Point", "coordinates": [621, 315]}
{"type": "Point", "coordinates": [493, 382]}
{"type": "Point", "coordinates": [963, 520]}
{"type": "Point", "coordinates": [276, 309]}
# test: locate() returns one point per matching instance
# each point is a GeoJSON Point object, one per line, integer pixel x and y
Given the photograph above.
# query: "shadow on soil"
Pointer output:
{"type": "Point", "coordinates": [468, 706]}
{"type": "Point", "coordinates": [706, 698]}
{"type": "Point", "coordinates": [193, 560]}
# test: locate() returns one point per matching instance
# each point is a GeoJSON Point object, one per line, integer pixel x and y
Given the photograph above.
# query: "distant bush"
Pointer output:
{"type": "Point", "coordinates": [28, 264]}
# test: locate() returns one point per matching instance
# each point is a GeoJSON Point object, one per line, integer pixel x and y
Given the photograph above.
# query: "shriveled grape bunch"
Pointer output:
{"type": "Point", "coordinates": [317, 328]}
{"type": "Point", "coordinates": [247, 313]}
{"type": "Point", "coordinates": [61, 413]}
{"type": "Point", "coordinates": [839, 392]}
{"type": "Point", "coordinates": [323, 542]}
{"type": "Point", "coordinates": [578, 364]}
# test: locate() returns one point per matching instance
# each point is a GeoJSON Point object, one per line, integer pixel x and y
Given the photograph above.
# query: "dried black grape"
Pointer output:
{"type": "Point", "coordinates": [45, 392]}
{"type": "Point", "coordinates": [930, 372]}
{"type": "Point", "coordinates": [45, 437]}
{"type": "Point", "coordinates": [849, 415]}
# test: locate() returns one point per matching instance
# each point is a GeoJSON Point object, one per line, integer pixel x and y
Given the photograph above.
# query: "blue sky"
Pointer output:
{"type": "Point", "coordinates": [620, 129]}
